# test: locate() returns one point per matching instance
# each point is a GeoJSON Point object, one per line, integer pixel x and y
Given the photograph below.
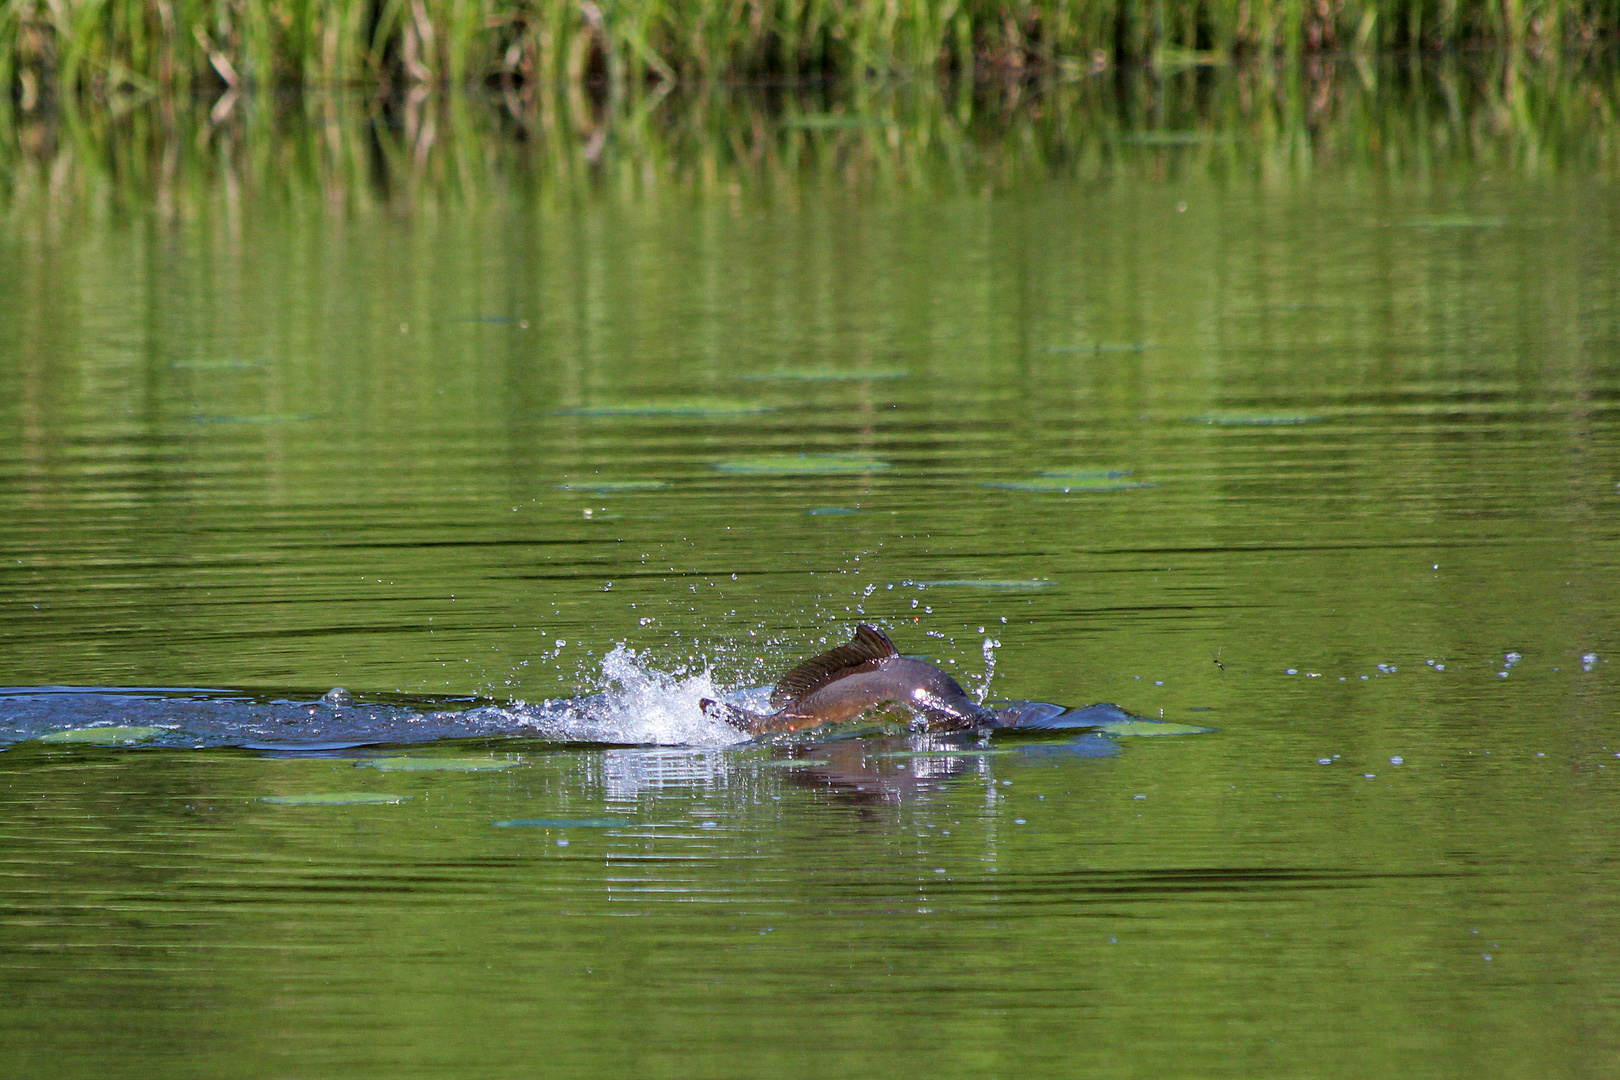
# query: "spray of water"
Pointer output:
{"type": "Point", "coordinates": [981, 688]}
{"type": "Point", "coordinates": [640, 705]}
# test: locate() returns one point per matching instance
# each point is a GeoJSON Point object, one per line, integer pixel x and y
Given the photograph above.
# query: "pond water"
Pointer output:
{"type": "Point", "coordinates": [1325, 460]}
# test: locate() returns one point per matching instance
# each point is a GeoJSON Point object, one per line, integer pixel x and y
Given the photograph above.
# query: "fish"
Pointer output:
{"type": "Point", "coordinates": [844, 682]}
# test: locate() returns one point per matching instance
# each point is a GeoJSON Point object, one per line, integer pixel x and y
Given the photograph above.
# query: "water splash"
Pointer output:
{"type": "Point", "coordinates": [981, 687]}
{"type": "Point", "coordinates": [640, 706]}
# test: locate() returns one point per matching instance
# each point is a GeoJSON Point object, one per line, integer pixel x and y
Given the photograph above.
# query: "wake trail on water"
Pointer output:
{"type": "Point", "coordinates": [638, 705]}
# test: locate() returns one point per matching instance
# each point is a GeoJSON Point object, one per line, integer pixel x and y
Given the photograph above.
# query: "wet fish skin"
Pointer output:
{"type": "Point", "coordinates": [847, 681]}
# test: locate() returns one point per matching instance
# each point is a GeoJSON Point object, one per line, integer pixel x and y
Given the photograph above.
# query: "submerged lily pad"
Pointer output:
{"type": "Point", "coordinates": [830, 511]}
{"type": "Point", "coordinates": [443, 764]}
{"type": "Point", "coordinates": [802, 464]}
{"type": "Point", "coordinates": [1085, 480]}
{"type": "Point", "coordinates": [564, 823]}
{"type": "Point", "coordinates": [1254, 418]}
{"type": "Point", "coordinates": [612, 487]}
{"type": "Point", "coordinates": [702, 406]}
{"type": "Point", "coordinates": [987, 583]}
{"type": "Point", "coordinates": [104, 736]}
{"type": "Point", "coordinates": [337, 798]}
{"type": "Point", "coordinates": [1151, 727]}
{"type": "Point", "coordinates": [829, 374]}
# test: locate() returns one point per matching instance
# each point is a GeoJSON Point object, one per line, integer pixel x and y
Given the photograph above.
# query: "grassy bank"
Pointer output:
{"type": "Point", "coordinates": [111, 46]}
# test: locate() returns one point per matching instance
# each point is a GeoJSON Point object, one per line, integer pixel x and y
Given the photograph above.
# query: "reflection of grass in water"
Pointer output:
{"type": "Point", "coordinates": [470, 144]}
{"type": "Point", "coordinates": [672, 407]}
{"type": "Point", "coordinates": [1085, 480]}
{"type": "Point", "coordinates": [337, 798]}
{"type": "Point", "coordinates": [802, 464]}
{"type": "Point", "coordinates": [829, 374]}
{"type": "Point", "coordinates": [104, 736]}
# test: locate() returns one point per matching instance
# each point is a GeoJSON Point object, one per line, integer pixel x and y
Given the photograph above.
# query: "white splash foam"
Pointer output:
{"type": "Point", "coordinates": [981, 688]}
{"type": "Point", "coordinates": [640, 705]}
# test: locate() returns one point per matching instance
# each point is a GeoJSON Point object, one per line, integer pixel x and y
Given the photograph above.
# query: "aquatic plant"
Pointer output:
{"type": "Point", "coordinates": [113, 47]}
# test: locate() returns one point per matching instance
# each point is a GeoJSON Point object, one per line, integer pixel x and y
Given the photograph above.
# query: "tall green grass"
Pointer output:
{"type": "Point", "coordinates": [110, 47]}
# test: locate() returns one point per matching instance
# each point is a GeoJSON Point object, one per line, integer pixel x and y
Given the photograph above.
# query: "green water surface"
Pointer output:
{"type": "Point", "coordinates": [466, 431]}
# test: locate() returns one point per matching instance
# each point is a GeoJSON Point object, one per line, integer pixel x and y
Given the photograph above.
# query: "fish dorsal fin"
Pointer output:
{"type": "Point", "coordinates": [869, 646]}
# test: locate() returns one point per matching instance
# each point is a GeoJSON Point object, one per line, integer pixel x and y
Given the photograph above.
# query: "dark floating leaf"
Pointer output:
{"type": "Point", "coordinates": [337, 798]}
{"type": "Point", "coordinates": [830, 511]}
{"type": "Point", "coordinates": [802, 464]}
{"type": "Point", "coordinates": [565, 823]}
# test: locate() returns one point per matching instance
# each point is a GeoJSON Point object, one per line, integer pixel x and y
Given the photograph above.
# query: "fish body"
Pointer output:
{"type": "Point", "coordinates": [862, 674]}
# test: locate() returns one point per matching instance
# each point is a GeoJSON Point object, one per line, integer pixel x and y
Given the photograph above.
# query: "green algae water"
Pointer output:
{"type": "Point", "coordinates": [1319, 466]}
